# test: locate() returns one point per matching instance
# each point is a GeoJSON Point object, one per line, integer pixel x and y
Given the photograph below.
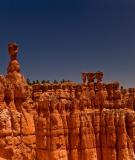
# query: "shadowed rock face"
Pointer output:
{"type": "Point", "coordinates": [69, 121]}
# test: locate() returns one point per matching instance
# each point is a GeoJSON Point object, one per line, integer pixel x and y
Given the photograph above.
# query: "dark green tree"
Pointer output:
{"type": "Point", "coordinates": [43, 81]}
{"type": "Point", "coordinates": [122, 88]}
{"type": "Point", "coordinates": [55, 81]}
{"type": "Point", "coordinates": [37, 81]}
{"type": "Point", "coordinates": [63, 81]}
{"type": "Point", "coordinates": [28, 81]}
{"type": "Point", "coordinates": [33, 82]}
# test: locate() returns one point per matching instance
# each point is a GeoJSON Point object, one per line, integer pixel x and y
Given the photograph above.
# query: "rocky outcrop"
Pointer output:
{"type": "Point", "coordinates": [69, 121]}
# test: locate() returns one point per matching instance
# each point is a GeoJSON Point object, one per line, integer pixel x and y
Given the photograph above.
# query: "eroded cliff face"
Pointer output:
{"type": "Point", "coordinates": [69, 121]}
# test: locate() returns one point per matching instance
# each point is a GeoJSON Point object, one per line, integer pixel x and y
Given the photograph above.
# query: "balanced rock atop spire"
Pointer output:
{"type": "Point", "coordinates": [14, 75]}
{"type": "Point", "coordinates": [13, 50]}
{"type": "Point", "coordinates": [14, 65]}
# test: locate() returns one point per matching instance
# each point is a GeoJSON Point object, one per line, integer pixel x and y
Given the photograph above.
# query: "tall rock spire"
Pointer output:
{"type": "Point", "coordinates": [14, 75]}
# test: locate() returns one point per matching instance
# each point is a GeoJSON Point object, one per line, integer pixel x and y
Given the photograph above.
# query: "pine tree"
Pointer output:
{"type": "Point", "coordinates": [43, 81]}
{"type": "Point", "coordinates": [55, 81]}
{"type": "Point", "coordinates": [37, 81]}
{"type": "Point", "coordinates": [63, 81]}
{"type": "Point", "coordinates": [33, 82]}
{"type": "Point", "coordinates": [28, 81]}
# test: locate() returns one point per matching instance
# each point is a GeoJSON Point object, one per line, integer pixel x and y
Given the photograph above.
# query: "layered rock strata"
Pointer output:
{"type": "Point", "coordinates": [69, 121]}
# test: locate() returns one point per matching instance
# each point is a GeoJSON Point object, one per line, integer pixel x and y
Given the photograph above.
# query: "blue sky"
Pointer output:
{"type": "Point", "coordinates": [60, 39]}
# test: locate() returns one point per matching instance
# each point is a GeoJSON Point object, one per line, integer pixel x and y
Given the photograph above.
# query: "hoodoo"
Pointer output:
{"type": "Point", "coordinates": [65, 121]}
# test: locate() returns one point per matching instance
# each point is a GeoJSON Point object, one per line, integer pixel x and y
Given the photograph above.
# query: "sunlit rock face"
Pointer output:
{"type": "Point", "coordinates": [64, 121]}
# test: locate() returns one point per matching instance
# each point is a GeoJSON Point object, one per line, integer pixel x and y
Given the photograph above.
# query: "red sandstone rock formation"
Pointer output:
{"type": "Point", "coordinates": [69, 121]}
